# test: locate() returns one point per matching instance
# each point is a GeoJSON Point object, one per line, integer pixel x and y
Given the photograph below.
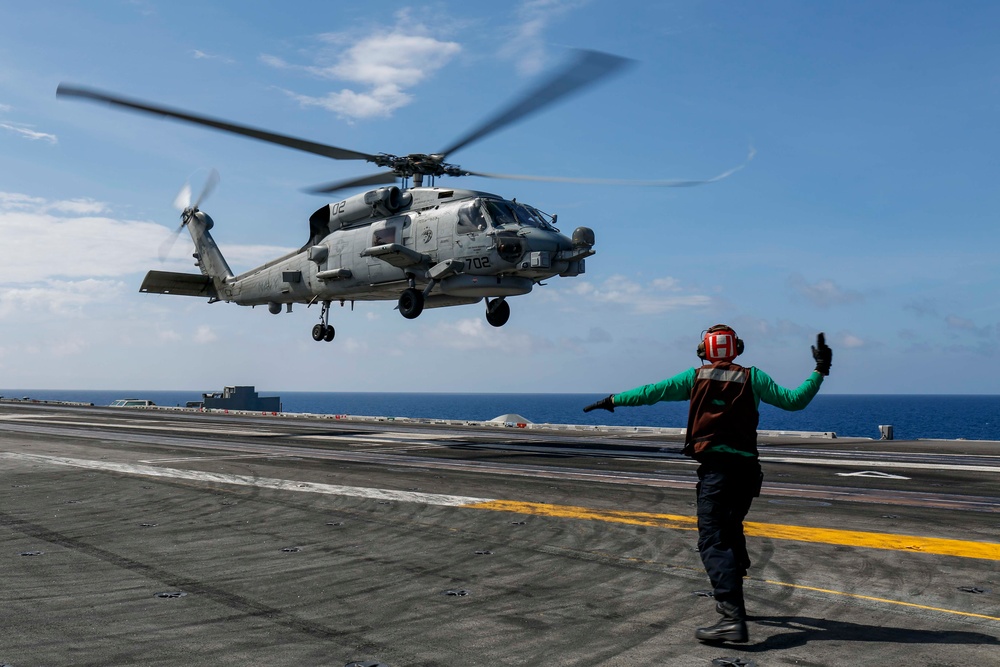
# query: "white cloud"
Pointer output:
{"type": "Point", "coordinates": [383, 63]}
{"type": "Point", "coordinates": [355, 346]}
{"type": "Point", "coordinates": [168, 336]}
{"type": "Point", "coordinates": [58, 296]}
{"type": "Point", "coordinates": [49, 240]}
{"type": "Point", "coordinates": [17, 201]}
{"type": "Point", "coordinates": [39, 245]}
{"type": "Point", "coordinates": [658, 296]}
{"type": "Point", "coordinates": [205, 335]}
{"type": "Point", "coordinates": [476, 334]}
{"type": "Point", "coordinates": [198, 54]}
{"type": "Point", "coordinates": [823, 293]}
{"type": "Point", "coordinates": [849, 340]}
{"type": "Point", "coordinates": [28, 133]}
{"type": "Point", "coordinates": [77, 206]}
{"type": "Point", "coordinates": [527, 45]}
{"type": "Point", "coordinates": [4, 108]}
{"type": "Point", "coordinates": [957, 323]}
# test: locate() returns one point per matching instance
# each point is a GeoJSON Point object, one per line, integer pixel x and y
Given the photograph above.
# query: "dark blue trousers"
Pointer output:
{"type": "Point", "coordinates": [725, 491]}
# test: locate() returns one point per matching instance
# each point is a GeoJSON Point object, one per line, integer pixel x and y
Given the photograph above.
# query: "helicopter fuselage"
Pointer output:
{"type": "Point", "coordinates": [432, 246]}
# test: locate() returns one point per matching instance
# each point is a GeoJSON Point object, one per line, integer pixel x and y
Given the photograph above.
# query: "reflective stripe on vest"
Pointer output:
{"type": "Point", "coordinates": [709, 373]}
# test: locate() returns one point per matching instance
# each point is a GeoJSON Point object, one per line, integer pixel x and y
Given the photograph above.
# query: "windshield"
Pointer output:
{"type": "Point", "coordinates": [512, 213]}
{"type": "Point", "coordinates": [500, 213]}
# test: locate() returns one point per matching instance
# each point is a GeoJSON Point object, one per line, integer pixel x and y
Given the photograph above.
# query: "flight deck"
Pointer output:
{"type": "Point", "coordinates": [182, 537]}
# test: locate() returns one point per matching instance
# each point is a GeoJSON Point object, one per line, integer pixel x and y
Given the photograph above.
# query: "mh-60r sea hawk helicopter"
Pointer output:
{"type": "Point", "coordinates": [423, 246]}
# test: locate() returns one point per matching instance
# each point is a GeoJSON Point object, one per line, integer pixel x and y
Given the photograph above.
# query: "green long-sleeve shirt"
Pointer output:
{"type": "Point", "coordinates": [678, 388]}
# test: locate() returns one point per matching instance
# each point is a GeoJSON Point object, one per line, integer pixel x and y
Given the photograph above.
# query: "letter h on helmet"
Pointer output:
{"type": "Point", "coordinates": [720, 344]}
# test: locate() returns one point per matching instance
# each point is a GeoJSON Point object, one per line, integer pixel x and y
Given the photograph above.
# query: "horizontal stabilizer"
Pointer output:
{"type": "Point", "coordinates": [183, 284]}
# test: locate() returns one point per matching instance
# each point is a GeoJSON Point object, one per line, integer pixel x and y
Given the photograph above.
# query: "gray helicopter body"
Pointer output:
{"type": "Point", "coordinates": [426, 247]}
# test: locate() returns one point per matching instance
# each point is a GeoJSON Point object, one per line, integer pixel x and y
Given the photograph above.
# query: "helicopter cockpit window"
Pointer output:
{"type": "Point", "coordinates": [512, 213]}
{"type": "Point", "coordinates": [500, 213]}
{"type": "Point", "coordinates": [529, 216]}
{"type": "Point", "coordinates": [471, 218]}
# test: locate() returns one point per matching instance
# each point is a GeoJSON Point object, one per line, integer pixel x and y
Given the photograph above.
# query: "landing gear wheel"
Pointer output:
{"type": "Point", "coordinates": [319, 331]}
{"type": "Point", "coordinates": [330, 333]}
{"type": "Point", "coordinates": [411, 303]}
{"type": "Point", "coordinates": [497, 312]}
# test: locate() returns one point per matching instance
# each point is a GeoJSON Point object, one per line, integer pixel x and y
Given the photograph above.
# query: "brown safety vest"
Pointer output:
{"type": "Point", "coordinates": [723, 411]}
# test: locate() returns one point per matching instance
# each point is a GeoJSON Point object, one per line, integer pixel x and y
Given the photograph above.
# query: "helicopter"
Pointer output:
{"type": "Point", "coordinates": [423, 246]}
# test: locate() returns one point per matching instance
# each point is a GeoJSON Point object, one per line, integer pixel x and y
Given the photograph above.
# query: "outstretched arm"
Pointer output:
{"type": "Point", "coordinates": [772, 393]}
{"type": "Point", "coordinates": [676, 388]}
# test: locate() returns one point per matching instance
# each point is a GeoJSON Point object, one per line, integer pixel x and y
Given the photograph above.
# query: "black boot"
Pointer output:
{"type": "Point", "coordinates": [732, 627]}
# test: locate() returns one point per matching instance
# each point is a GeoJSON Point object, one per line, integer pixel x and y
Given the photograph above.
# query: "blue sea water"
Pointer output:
{"type": "Point", "coordinates": [912, 416]}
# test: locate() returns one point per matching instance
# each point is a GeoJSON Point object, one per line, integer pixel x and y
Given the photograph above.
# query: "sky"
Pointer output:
{"type": "Point", "coordinates": [868, 210]}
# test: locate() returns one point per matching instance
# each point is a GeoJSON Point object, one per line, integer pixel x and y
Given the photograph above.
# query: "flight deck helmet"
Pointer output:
{"type": "Point", "coordinates": [720, 343]}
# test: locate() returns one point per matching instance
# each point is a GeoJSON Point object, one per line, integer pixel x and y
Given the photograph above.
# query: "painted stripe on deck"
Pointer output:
{"type": "Point", "coordinates": [870, 598]}
{"type": "Point", "coordinates": [868, 463]}
{"type": "Point", "coordinates": [260, 482]}
{"type": "Point", "coordinates": [854, 538]}
{"type": "Point", "coordinates": [888, 541]}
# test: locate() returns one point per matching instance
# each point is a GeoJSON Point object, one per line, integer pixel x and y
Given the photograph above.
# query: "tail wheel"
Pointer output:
{"type": "Point", "coordinates": [411, 303]}
{"type": "Point", "coordinates": [497, 312]}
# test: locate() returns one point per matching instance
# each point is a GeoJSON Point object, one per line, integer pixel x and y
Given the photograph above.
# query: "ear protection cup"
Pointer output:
{"type": "Point", "coordinates": [717, 344]}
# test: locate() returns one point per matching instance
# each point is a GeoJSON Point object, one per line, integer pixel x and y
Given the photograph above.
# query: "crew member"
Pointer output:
{"type": "Point", "coordinates": [722, 437]}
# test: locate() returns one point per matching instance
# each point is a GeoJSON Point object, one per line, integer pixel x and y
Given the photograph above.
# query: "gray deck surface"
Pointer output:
{"type": "Point", "coordinates": [135, 537]}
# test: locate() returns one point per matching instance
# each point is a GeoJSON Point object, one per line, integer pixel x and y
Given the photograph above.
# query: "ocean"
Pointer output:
{"type": "Point", "coordinates": [912, 416]}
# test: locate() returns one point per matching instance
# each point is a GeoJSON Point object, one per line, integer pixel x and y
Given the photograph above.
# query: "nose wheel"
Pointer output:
{"type": "Point", "coordinates": [323, 330]}
{"type": "Point", "coordinates": [497, 312]}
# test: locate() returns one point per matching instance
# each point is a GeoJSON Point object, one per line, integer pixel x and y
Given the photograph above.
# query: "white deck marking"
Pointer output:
{"type": "Point", "coordinates": [871, 473]}
{"type": "Point", "coordinates": [260, 482]}
{"type": "Point", "coordinates": [134, 426]}
{"type": "Point", "coordinates": [857, 463]}
{"type": "Point", "coordinates": [178, 459]}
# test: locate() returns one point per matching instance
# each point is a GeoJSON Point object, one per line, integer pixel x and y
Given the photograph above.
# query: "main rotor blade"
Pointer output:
{"type": "Point", "coordinates": [588, 67]}
{"type": "Point", "coordinates": [619, 181]}
{"type": "Point", "coordinates": [67, 90]}
{"type": "Point", "coordinates": [383, 178]}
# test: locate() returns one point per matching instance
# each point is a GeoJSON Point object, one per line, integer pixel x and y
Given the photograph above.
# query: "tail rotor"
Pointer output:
{"type": "Point", "coordinates": [182, 202]}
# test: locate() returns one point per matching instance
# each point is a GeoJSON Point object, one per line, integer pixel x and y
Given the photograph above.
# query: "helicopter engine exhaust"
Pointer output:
{"type": "Point", "coordinates": [357, 209]}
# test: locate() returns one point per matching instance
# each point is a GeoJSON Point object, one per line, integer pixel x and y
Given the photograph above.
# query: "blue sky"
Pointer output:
{"type": "Point", "coordinates": [868, 211]}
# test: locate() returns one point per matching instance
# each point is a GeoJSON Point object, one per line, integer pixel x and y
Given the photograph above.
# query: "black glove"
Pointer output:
{"type": "Point", "coordinates": [604, 404]}
{"type": "Point", "coordinates": [822, 354]}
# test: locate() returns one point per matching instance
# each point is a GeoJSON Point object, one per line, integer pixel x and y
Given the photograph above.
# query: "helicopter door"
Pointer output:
{"type": "Point", "coordinates": [470, 230]}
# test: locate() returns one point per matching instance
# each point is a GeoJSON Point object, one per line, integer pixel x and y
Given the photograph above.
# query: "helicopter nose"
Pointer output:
{"type": "Point", "coordinates": [583, 237]}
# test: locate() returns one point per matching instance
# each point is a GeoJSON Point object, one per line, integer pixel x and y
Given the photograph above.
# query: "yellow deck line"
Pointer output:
{"type": "Point", "coordinates": [909, 543]}
{"type": "Point", "coordinates": [885, 600]}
